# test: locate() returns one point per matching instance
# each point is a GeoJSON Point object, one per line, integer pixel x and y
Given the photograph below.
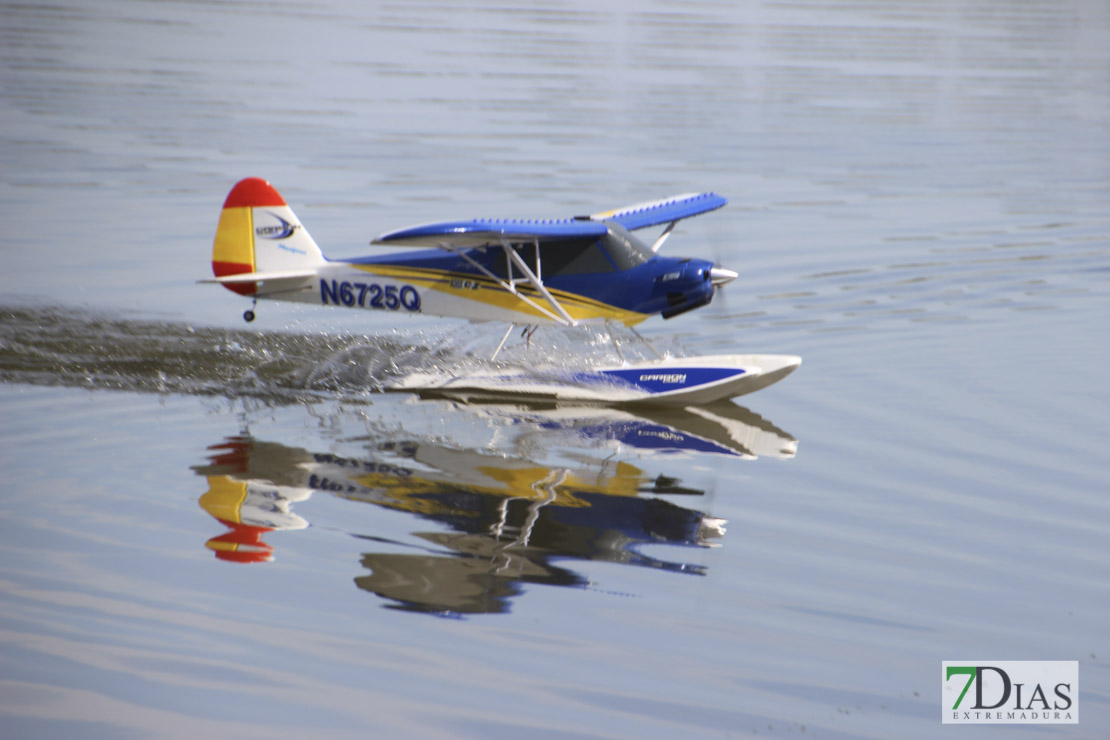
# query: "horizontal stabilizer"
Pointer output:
{"type": "Point", "coordinates": [664, 211]}
{"type": "Point", "coordinates": [261, 277]}
{"type": "Point", "coordinates": [483, 231]}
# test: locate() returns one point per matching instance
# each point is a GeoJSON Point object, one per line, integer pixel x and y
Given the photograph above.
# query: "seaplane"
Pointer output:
{"type": "Point", "coordinates": [568, 272]}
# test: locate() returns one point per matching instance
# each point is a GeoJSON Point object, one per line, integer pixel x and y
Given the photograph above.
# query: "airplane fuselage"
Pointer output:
{"type": "Point", "coordinates": [443, 284]}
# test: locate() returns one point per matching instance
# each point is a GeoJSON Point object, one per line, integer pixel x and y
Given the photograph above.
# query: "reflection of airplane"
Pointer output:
{"type": "Point", "coordinates": [503, 520]}
{"type": "Point", "coordinates": [506, 519]}
{"type": "Point", "coordinates": [525, 272]}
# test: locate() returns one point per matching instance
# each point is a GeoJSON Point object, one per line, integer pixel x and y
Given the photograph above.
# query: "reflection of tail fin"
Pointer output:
{"type": "Point", "coordinates": [258, 233]}
{"type": "Point", "coordinates": [242, 544]}
{"type": "Point", "coordinates": [249, 510]}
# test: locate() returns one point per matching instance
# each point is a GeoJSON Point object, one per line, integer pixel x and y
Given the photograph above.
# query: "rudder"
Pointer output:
{"type": "Point", "coordinates": [258, 232]}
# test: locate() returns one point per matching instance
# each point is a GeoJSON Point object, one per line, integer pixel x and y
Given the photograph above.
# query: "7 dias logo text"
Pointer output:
{"type": "Point", "coordinates": [978, 692]}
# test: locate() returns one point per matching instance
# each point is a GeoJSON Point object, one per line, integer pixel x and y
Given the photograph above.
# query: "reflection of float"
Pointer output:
{"type": "Point", "coordinates": [502, 521]}
{"type": "Point", "coordinates": [720, 428]}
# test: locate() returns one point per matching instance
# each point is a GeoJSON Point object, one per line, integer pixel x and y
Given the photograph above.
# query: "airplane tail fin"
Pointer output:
{"type": "Point", "coordinates": [258, 233]}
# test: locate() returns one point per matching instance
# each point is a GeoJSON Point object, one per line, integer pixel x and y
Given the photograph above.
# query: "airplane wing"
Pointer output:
{"type": "Point", "coordinates": [665, 211]}
{"type": "Point", "coordinates": [482, 232]}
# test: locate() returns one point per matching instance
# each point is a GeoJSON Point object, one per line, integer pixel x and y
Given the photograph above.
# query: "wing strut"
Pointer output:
{"type": "Point", "coordinates": [536, 282]}
{"type": "Point", "coordinates": [663, 237]}
{"type": "Point", "coordinates": [561, 318]}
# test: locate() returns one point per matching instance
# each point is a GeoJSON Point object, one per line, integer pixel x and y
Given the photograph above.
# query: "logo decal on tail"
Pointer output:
{"type": "Point", "coordinates": [283, 231]}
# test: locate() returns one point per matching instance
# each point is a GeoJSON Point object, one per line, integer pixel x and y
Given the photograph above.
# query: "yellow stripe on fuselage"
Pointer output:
{"type": "Point", "coordinates": [492, 293]}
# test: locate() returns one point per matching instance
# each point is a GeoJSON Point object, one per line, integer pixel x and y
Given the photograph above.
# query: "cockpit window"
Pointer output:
{"type": "Point", "coordinates": [573, 258]}
{"type": "Point", "coordinates": [616, 250]}
{"type": "Point", "coordinates": [561, 257]}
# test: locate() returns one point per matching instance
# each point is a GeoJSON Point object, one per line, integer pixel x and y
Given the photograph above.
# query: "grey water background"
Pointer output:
{"type": "Point", "coordinates": [920, 208]}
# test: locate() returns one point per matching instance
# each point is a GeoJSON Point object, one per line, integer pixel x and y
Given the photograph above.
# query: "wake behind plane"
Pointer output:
{"type": "Point", "coordinates": [563, 272]}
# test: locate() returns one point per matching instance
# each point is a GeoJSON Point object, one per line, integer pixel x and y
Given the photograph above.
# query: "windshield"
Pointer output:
{"type": "Point", "coordinates": [626, 250]}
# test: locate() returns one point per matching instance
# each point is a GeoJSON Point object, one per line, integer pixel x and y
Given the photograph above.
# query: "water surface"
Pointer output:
{"type": "Point", "coordinates": [209, 528]}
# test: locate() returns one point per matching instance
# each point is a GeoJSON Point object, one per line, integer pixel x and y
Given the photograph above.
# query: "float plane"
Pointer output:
{"type": "Point", "coordinates": [565, 272]}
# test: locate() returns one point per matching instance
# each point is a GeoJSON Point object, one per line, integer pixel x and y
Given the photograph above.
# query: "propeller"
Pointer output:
{"type": "Point", "coordinates": [720, 276]}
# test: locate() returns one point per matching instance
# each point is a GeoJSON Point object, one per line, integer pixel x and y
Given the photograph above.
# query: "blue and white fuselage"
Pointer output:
{"type": "Point", "coordinates": [613, 276]}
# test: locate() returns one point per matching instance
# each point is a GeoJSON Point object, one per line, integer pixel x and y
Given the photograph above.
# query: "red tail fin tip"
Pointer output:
{"type": "Point", "coordinates": [253, 192]}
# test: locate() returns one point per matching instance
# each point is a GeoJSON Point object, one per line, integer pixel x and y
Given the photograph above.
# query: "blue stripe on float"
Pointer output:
{"type": "Point", "coordinates": [661, 380]}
